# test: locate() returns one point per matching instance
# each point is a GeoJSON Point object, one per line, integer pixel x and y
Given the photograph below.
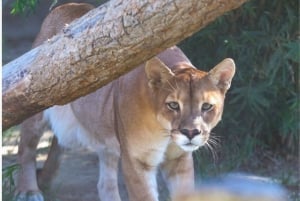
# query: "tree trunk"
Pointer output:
{"type": "Point", "coordinates": [97, 48]}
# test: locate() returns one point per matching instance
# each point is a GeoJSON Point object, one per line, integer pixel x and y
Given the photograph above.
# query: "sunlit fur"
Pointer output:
{"type": "Point", "coordinates": [130, 121]}
{"type": "Point", "coordinates": [190, 88]}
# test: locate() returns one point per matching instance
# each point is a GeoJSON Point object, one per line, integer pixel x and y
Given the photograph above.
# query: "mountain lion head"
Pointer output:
{"type": "Point", "coordinates": [189, 102]}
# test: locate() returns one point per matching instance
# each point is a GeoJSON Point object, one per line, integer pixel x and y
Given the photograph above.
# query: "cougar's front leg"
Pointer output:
{"type": "Point", "coordinates": [140, 179]}
{"type": "Point", "coordinates": [178, 171]}
{"type": "Point", "coordinates": [51, 165]}
{"type": "Point", "coordinates": [108, 173]}
{"type": "Point", "coordinates": [27, 187]}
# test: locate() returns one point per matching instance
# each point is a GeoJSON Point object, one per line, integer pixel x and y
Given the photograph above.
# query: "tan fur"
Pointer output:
{"type": "Point", "coordinates": [59, 18]}
{"type": "Point", "coordinates": [132, 119]}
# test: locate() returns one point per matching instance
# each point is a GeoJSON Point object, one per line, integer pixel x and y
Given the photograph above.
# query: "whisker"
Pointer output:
{"type": "Point", "coordinates": [166, 132]}
{"type": "Point", "coordinates": [214, 141]}
{"type": "Point", "coordinates": [213, 152]}
{"type": "Point", "coordinates": [214, 145]}
{"type": "Point", "coordinates": [175, 130]}
{"type": "Point", "coordinates": [215, 136]}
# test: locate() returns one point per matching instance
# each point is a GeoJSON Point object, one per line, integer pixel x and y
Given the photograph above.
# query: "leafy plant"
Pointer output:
{"type": "Point", "coordinates": [8, 184]}
{"type": "Point", "coordinates": [23, 6]}
{"type": "Point", "coordinates": [27, 6]}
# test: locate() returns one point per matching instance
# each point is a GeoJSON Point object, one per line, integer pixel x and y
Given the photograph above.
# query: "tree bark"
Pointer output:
{"type": "Point", "coordinates": [97, 48]}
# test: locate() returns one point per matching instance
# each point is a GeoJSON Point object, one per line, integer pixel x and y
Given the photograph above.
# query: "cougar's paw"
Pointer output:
{"type": "Point", "coordinates": [29, 196]}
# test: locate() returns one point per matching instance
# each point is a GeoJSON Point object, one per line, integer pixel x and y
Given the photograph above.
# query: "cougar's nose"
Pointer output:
{"type": "Point", "coordinates": [190, 133]}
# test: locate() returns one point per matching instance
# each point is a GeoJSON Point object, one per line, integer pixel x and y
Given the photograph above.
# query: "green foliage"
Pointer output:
{"type": "Point", "coordinates": [8, 184]}
{"type": "Point", "coordinates": [8, 133]}
{"type": "Point", "coordinates": [262, 106]}
{"type": "Point", "coordinates": [23, 6]}
{"type": "Point", "coordinates": [27, 6]}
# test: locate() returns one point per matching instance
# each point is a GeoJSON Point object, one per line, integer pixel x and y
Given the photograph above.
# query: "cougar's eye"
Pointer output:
{"type": "Point", "coordinates": [173, 106]}
{"type": "Point", "coordinates": [206, 107]}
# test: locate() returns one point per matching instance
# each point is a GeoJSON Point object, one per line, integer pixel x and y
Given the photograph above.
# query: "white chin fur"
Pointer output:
{"type": "Point", "coordinates": [189, 146]}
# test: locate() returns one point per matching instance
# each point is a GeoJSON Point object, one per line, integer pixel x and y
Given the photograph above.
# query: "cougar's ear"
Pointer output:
{"type": "Point", "coordinates": [157, 72]}
{"type": "Point", "coordinates": [222, 74]}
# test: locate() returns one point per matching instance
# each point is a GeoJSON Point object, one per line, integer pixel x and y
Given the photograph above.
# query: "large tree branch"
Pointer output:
{"type": "Point", "coordinates": [97, 48]}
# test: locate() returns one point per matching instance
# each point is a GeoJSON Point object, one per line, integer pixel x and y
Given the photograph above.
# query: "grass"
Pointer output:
{"type": "Point", "coordinates": [8, 183]}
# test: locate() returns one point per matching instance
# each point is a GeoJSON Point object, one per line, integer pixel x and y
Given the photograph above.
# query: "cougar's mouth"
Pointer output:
{"type": "Point", "coordinates": [189, 147]}
{"type": "Point", "coordinates": [187, 144]}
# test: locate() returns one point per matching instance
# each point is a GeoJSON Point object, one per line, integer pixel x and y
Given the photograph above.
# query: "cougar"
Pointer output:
{"type": "Point", "coordinates": [152, 118]}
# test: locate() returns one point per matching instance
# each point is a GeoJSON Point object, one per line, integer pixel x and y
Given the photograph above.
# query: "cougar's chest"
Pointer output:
{"type": "Point", "coordinates": [148, 148]}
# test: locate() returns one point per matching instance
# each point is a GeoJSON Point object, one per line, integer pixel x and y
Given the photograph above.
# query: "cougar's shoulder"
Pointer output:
{"type": "Point", "coordinates": [58, 18]}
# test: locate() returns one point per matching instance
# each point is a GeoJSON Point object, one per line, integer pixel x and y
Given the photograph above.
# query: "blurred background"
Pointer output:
{"type": "Point", "coordinates": [259, 132]}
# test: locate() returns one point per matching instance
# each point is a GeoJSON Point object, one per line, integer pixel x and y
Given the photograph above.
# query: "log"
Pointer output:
{"type": "Point", "coordinates": [97, 48]}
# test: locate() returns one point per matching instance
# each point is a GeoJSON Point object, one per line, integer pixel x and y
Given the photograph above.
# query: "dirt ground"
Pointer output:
{"type": "Point", "coordinates": [78, 173]}
{"type": "Point", "coordinates": [77, 176]}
